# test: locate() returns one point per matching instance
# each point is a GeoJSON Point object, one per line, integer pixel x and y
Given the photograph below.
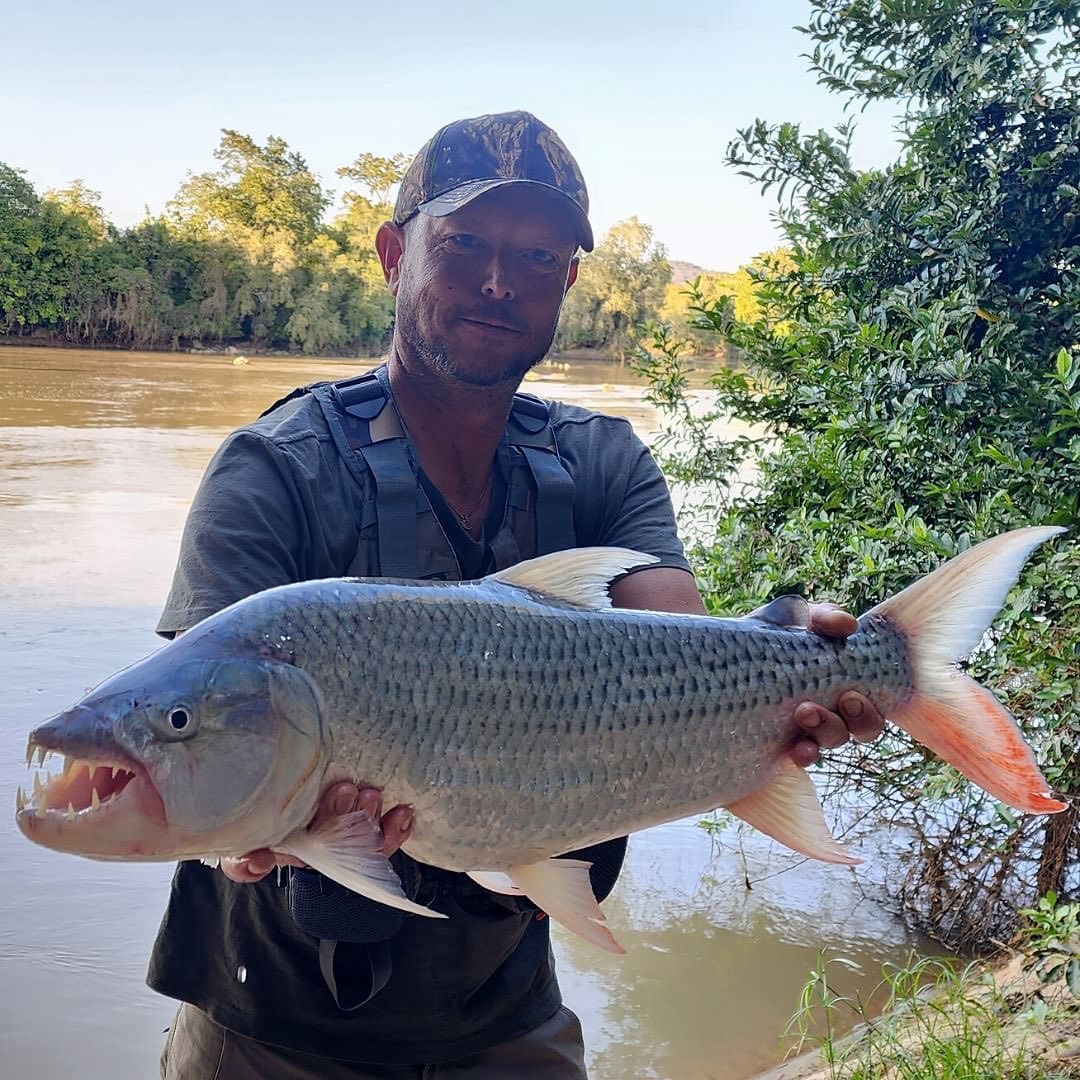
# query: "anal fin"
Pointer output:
{"type": "Point", "coordinates": [496, 881]}
{"type": "Point", "coordinates": [787, 809]}
{"type": "Point", "coordinates": [561, 887]}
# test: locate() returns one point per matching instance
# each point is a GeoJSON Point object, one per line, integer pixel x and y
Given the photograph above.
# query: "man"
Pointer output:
{"type": "Point", "coordinates": [431, 467]}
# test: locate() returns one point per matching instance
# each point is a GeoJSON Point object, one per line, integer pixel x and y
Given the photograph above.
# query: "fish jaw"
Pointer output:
{"type": "Point", "coordinates": [246, 776]}
{"type": "Point", "coordinates": [102, 803]}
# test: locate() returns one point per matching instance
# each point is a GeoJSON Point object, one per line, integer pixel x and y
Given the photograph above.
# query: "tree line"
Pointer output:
{"type": "Point", "coordinates": [246, 254]}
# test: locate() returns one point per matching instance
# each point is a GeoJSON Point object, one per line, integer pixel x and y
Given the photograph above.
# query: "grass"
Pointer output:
{"type": "Point", "coordinates": [941, 1022]}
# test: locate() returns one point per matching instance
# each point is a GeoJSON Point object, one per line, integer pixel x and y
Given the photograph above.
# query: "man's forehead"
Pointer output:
{"type": "Point", "coordinates": [512, 206]}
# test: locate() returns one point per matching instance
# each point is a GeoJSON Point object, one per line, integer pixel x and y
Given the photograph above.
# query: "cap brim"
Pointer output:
{"type": "Point", "coordinates": [454, 199]}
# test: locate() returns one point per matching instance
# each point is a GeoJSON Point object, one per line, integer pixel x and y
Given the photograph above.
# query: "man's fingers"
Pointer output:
{"type": "Point", "coordinates": [246, 869]}
{"type": "Point", "coordinates": [822, 726]}
{"type": "Point", "coordinates": [370, 801]}
{"type": "Point", "coordinates": [864, 722]}
{"type": "Point", "coordinates": [830, 621]}
{"type": "Point", "coordinates": [805, 753]}
{"type": "Point", "coordinates": [396, 826]}
{"type": "Point", "coordinates": [337, 799]}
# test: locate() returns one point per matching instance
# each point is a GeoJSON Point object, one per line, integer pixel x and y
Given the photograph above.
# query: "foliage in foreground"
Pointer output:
{"type": "Point", "coordinates": [939, 1021]}
{"type": "Point", "coordinates": [913, 386]}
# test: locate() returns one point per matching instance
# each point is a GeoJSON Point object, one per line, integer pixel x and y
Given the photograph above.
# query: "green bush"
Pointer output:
{"type": "Point", "coordinates": [913, 380]}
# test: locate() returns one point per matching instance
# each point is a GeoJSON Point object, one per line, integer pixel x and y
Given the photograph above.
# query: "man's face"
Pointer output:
{"type": "Point", "coordinates": [479, 291]}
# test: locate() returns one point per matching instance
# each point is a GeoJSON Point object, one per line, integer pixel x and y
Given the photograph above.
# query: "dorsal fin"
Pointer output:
{"type": "Point", "coordinates": [579, 576]}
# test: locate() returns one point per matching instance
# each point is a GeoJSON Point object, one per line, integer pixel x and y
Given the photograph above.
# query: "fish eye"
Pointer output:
{"type": "Point", "coordinates": [179, 719]}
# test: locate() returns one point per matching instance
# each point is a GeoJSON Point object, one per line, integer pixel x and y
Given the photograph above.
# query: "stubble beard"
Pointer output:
{"type": "Point", "coordinates": [436, 357]}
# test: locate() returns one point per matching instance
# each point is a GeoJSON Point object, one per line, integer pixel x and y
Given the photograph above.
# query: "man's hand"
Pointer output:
{"type": "Point", "coordinates": [857, 718]}
{"type": "Point", "coordinates": [667, 589]}
{"type": "Point", "coordinates": [338, 799]}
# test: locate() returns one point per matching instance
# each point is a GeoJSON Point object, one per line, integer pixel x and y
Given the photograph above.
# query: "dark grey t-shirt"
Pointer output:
{"type": "Point", "coordinates": [281, 503]}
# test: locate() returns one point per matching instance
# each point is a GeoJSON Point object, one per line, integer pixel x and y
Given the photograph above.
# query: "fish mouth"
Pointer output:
{"type": "Point", "coordinates": [89, 801]}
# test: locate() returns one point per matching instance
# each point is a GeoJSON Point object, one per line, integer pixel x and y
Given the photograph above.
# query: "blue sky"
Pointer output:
{"type": "Point", "coordinates": [130, 96]}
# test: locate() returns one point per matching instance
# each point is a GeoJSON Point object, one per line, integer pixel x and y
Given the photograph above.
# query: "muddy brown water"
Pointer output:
{"type": "Point", "coordinates": [100, 453]}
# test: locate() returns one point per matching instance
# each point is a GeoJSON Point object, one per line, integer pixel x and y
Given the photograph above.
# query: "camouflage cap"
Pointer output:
{"type": "Point", "coordinates": [470, 157]}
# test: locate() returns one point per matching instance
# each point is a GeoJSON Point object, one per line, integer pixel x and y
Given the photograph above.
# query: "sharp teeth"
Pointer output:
{"type": "Point", "coordinates": [29, 753]}
{"type": "Point", "coordinates": [39, 787]}
{"type": "Point", "coordinates": [20, 798]}
{"type": "Point", "coordinates": [95, 802]}
{"type": "Point", "coordinates": [71, 812]}
{"type": "Point", "coordinates": [68, 762]}
{"type": "Point", "coordinates": [41, 810]}
{"type": "Point", "coordinates": [42, 754]}
{"type": "Point", "coordinates": [117, 769]}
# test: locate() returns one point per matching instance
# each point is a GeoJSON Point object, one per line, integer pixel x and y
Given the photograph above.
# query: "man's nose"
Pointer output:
{"type": "Point", "coordinates": [498, 284]}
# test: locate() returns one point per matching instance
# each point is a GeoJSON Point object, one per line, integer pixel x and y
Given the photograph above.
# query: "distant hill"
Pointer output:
{"type": "Point", "coordinates": [682, 272]}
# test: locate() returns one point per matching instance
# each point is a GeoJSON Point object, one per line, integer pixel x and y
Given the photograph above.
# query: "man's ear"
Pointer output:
{"type": "Point", "coordinates": [390, 244]}
{"type": "Point", "coordinates": [571, 276]}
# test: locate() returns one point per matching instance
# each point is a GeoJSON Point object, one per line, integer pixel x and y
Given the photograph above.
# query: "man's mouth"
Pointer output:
{"type": "Point", "coordinates": [492, 324]}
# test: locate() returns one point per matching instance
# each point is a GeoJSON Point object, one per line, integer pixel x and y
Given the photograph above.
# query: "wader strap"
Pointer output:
{"type": "Point", "coordinates": [378, 956]}
{"type": "Point", "coordinates": [554, 501]}
{"type": "Point", "coordinates": [504, 549]}
{"type": "Point", "coordinates": [375, 432]}
{"type": "Point", "coordinates": [359, 408]}
{"type": "Point", "coordinates": [395, 503]}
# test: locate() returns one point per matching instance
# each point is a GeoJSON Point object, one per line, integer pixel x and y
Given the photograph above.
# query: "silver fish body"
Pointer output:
{"type": "Point", "coordinates": [519, 729]}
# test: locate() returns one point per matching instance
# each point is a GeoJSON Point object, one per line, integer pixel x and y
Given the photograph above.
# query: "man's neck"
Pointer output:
{"type": "Point", "coordinates": [456, 428]}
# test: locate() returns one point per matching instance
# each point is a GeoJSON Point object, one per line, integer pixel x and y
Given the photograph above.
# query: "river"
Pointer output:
{"type": "Point", "coordinates": [100, 453]}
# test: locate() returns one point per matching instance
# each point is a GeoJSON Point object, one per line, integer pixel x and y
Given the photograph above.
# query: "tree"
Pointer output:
{"type": "Point", "coordinates": [46, 252]}
{"type": "Point", "coordinates": [81, 202]}
{"type": "Point", "coordinates": [681, 309]}
{"type": "Point", "coordinates": [261, 196]}
{"type": "Point", "coordinates": [915, 377]}
{"type": "Point", "coordinates": [377, 174]}
{"type": "Point", "coordinates": [620, 286]}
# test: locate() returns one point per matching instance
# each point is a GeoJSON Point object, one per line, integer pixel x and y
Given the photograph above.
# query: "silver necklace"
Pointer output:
{"type": "Point", "coordinates": [465, 519]}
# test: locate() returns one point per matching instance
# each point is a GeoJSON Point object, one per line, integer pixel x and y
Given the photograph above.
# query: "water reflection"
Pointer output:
{"type": "Point", "coordinates": [100, 453]}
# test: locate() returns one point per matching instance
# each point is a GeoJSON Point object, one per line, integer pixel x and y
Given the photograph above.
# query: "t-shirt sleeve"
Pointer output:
{"type": "Point", "coordinates": [621, 496]}
{"type": "Point", "coordinates": [244, 532]}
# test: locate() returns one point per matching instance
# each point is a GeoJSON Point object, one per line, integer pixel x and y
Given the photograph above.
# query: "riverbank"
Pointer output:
{"type": "Point", "coordinates": [39, 340]}
{"type": "Point", "coordinates": [1000, 1018]}
{"type": "Point", "coordinates": [47, 341]}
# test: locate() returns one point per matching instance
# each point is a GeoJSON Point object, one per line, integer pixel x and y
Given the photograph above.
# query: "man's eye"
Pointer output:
{"type": "Point", "coordinates": [465, 240]}
{"type": "Point", "coordinates": [542, 257]}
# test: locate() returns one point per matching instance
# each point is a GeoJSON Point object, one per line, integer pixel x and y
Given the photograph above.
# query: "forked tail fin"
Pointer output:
{"type": "Point", "coordinates": [943, 616]}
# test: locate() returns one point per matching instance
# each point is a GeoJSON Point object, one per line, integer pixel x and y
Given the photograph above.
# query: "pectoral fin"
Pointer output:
{"type": "Point", "coordinates": [562, 888]}
{"type": "Point", "coordinates": [788, 810]}
{"type": "Point", "coordinates": [346, 849]}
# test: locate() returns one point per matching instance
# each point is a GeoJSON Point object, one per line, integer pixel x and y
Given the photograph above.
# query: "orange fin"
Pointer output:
{"type": "Point", "coordinates": [943, 616]}
{"type": "Point", "coordinates": [562, 888]}
{"type": "Point", "coordinates": [787, 809]}
{"type": "Point", "coordinates": [579, 576]}
{"type": "Point", "coordinates": [965, 725]}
